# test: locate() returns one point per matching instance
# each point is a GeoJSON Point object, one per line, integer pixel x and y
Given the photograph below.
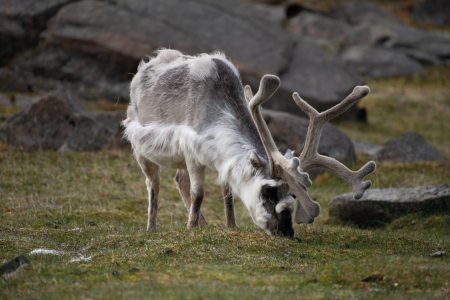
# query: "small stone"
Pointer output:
{"type": "Point", "coordinates": [374, 278]}
{"type": "Point", "coordinates": [91, 223]}
{"type": "Point", "coordinates": [133, 269]}
{"type": "Point", "coordinates": [115, 273]}
{"type": "Point", "coordinates": [437, 254]}
{"type": "Point", "coordinates": [13, 264]}
{"type": "Point", "coordinates": [168, 252]}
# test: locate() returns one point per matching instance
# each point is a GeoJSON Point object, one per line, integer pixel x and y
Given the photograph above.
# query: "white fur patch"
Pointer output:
{"type": "Point", "coordinates": [201, 67]}
{"type": "Point", "coordinates": [286, 203]}
{"type": "Point", "coordinates": [168, 55]}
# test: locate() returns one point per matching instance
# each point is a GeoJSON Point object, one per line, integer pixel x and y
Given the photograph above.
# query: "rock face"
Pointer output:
{"type": "Point", "coordinates": [93, 27]}
{"type": "Point", "coordinates": [289, 132]}
{"type": "Point", "coordinates": [322, 89]}
{"type": "Point", "coordinates": [433, 11]}
{"type": "Point", "coordinates": [56, 121]}
{"type": "Point", "coordinates": [318, 26]}
{"type": "Point", "coordinates": [22, 21]}
{"type": "Point", "coordinates": [384, 205]}
{"type": "Point", "coordinates": [377, 62]}
{"type": "Point", "coordinates": [360, 11]}
{"type": "Point", "coordinates": [371, 41]}
{"type": "Point", "coordinates": [411, 146]}
{"type": "Point", "coordinates": [90, 48]}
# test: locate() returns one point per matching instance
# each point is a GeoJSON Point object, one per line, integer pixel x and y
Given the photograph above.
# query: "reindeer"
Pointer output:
{"type": "Point", "coordinates": [192, 113]}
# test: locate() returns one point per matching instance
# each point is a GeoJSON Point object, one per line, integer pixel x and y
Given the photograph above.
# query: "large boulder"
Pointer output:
{"type": "Point", "coordinates": [317, 26]}
{"type": "Point", "coordinates": [127, 30]}
{"type": "Point", "coordinates": [47, 69]}
{"type": "Point", "coordinates": [360, 11]}
{"type": "Point", "coordinates": [57, 122]}
{"type": "Point", "coordinates": [378, 62]}
{"type": "Point", "coordinates": [319, 78]}
{"type": "Point", "coordinates": [398, 36]}
{"type": "Point", "coordinates": [411, 146]}
{"type": "Point", "coordinates": [21, 22]}
{"type": "Point", "coordinates": [384, 205]}
{"type": "Point", "coordinates": [433, 11]}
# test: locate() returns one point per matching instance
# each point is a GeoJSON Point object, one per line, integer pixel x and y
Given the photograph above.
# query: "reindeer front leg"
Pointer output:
{"type": "Point", "coordinates": [197, 176]}
{"type": "Point", "coordinates": [229, 206]}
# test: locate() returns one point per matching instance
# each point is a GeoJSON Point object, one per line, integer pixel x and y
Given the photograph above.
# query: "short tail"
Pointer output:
{"type": "Point", "coordinates": [132, 117]}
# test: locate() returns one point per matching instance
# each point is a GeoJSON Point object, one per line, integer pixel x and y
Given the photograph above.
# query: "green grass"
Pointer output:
{"type": "Point", "coordinates": [48, 199]}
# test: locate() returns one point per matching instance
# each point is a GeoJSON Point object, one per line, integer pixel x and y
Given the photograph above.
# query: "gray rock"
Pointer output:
{"type": "Point", "coordinates": [270, 2]}
{"type": "Point", "coordinates": [317, 26]}
{"type": "Point", "coordinates": [368, 149]}
{"type": "Point", "coordinates": [75, 72]}
{"type": "Point", "coordinates": [289, 132]}
{"type": "Point", "coordinates": [319, 78]}
{"type": "Point", "coordinates": [411, 146]}
{"type": "Point", "coordinates": [21, 22]}
{"type": "Point", "coordinates": [57, 122]}
{"type": "Point", "coordinates": [384, 205]}
{"type": "Point", "coordinates": [377, 62]}
{"type": "Point", "coordinates": [13, 264]}
{"type": "Point", "coordinates": [5, 101]}
{"type": "Point", "coordinates": [400, 37]}
{"type": "Point", "coordinates": [126, 30]}
{"type": "Point", "coordinates": [25, 100]}
{"type": "Point", "coordinates": [433, 11]}
{"type": "Point", "coordinates": [276, 13]}
{"type": "Point", "coordinates": [359, 11]}
{"type": "Point", "coordinates": [11, 81]}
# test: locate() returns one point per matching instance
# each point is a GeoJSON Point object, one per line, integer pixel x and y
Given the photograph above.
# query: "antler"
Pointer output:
{"type": "Point", "coordinates": [280, 166]}
{"type": "Point", "coordinates": [311, 159]}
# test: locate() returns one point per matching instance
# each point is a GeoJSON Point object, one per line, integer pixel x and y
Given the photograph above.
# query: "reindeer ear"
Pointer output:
{"type": "Point", "coordinates": [255, 160]}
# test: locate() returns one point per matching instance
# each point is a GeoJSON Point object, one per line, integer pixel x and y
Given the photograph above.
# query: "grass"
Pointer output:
{"type": "Point", "coordinates": [48, 200]}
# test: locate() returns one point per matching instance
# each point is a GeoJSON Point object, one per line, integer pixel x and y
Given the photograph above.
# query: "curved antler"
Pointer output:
{"type": "Point", "coordinates": [280, 167]}
{"type": "Point", "coordinates": [311, 159]}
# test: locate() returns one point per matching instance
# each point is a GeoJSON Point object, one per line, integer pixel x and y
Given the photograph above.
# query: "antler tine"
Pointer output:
{"type": "Point", "coordinates": [280, 167]}
{"type": "Point", "coordinates": [268, 86]}
{"type": "Point", "coordinates": [311, 159]}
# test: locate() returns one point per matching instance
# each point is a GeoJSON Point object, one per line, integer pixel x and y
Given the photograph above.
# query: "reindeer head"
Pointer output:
{"type": "Point", "coordinates": [288, 169]}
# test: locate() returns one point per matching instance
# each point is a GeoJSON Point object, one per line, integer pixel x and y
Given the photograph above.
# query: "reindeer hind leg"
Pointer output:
{"type": "Point", "coordinates": [184, 187]}
{"type": "Point", "coordinates": [151, 172]}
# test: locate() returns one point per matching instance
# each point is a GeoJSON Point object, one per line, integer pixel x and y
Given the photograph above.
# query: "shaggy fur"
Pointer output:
{"type": "Point", "coordinates": [189, 112]}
